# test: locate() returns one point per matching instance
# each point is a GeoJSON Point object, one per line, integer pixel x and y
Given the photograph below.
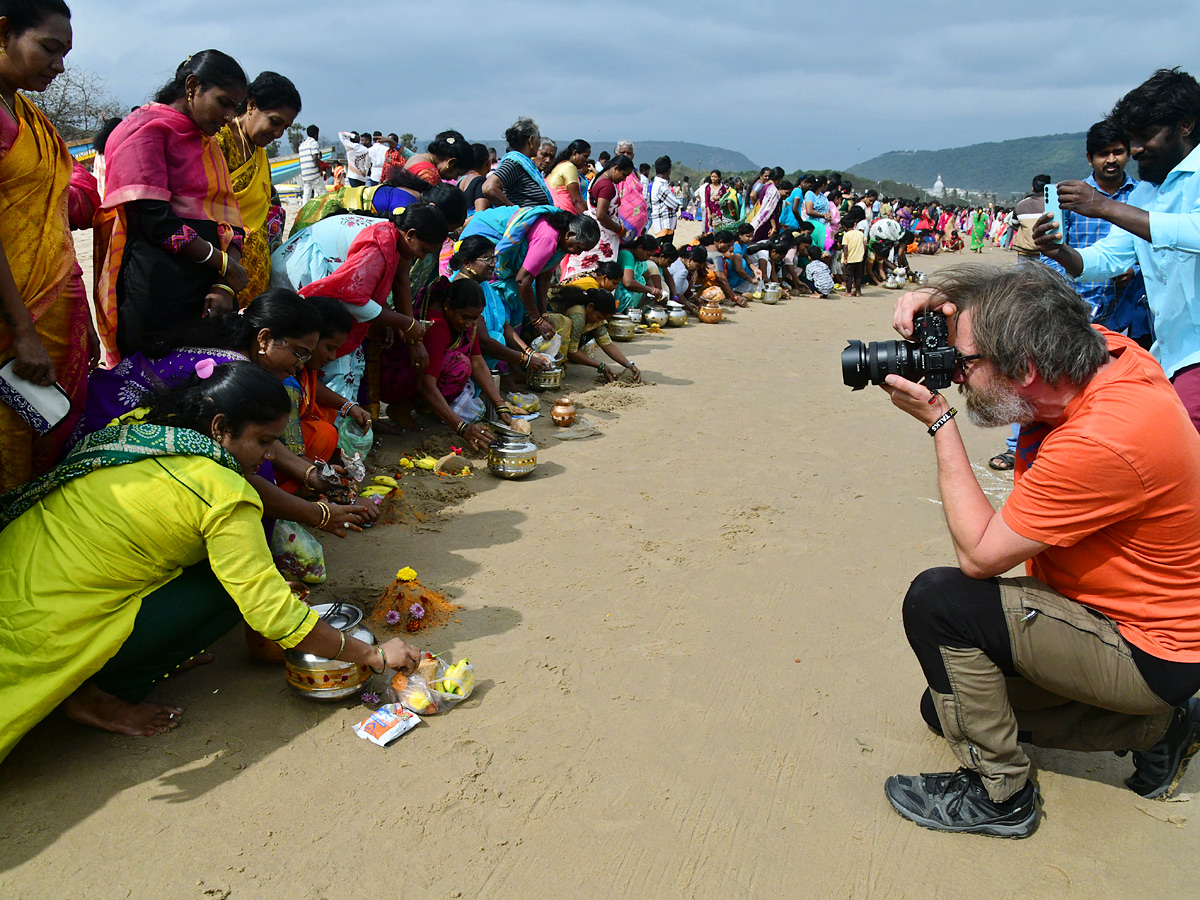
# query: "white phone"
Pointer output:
{"type": "Point", "coordinates": [43, 407]}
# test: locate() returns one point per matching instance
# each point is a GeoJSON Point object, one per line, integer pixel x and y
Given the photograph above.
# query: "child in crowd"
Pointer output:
{"type": "Point", "coordinates": [817, 272]}
{"type": "Point", "coordinates": [854, 251]}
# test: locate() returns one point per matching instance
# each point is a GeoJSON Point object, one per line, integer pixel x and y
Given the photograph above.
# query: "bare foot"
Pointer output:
{"type": "Point", "coordinates": [94, 707]}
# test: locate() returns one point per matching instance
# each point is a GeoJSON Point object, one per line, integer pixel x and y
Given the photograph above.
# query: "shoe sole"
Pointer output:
{"type": "Point", "coordinates": [1014, 831]}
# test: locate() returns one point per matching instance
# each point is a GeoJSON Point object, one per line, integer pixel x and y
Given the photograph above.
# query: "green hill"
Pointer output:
{"type": "Point", "coordinates": [1002, 167]}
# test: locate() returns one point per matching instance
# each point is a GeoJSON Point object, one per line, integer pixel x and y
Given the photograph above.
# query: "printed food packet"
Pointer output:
{"type": "Point", "coordinates": [386, 724]}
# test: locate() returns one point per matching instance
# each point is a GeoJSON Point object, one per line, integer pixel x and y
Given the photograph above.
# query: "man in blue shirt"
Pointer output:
{"type": "Point", "coordinates": [1157, 228]}
{"type": "Point", "coordinates": [1118, 304]}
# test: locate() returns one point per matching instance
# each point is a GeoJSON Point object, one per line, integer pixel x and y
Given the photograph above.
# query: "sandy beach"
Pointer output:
{"type": "Point", "coordinates": [693, 678]}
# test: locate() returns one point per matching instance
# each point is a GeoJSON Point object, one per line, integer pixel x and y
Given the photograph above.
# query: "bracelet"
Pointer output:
{"type": "Point", "coordinates": [346, 407]}
{"type": "Point", "coordinates": [411, 325]}
{"type": "Point", "coordinates": [211, 251]}
{"type": "Point", "coordinates": [603, 366]}
{"type": "Point", "coordinates": [326, 514]}
{"type": "Point", "coordinates": [538, 321]}
{"type": "Point", "coordinates": [224, 262]}
{"type": "Point", "coordinates": [383, 660]}
{"type": "Point", "coordinates": [341, 648]}
{"type": "Point", "coordinates": [526, 357]}
{"type": "Point", "coordinates": [461, 428]}
{"type": "Point", "coordinates": [220, 285]}
{"type": "Point", "coordinates": [946, 417]}
{"type": "Point", "coordinates": [308, 472]}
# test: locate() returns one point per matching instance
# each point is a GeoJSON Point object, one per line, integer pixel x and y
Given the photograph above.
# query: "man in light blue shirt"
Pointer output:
{"type": "Point", "coordinates": [1159, 225]}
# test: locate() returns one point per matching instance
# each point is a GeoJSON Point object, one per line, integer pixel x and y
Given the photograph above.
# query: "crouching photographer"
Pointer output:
{"type": "Point", "coordinates": [1099, 647]}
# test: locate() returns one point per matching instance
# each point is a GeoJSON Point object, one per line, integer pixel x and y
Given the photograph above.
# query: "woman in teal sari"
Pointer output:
{"type": "Point", "coordinates": [143, 547]}
{"type": "Point", "coordinates": [530, 243]}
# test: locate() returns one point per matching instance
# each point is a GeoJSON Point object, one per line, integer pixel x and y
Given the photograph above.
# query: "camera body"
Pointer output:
{"type": "Point", "coordinates": [929, 357]}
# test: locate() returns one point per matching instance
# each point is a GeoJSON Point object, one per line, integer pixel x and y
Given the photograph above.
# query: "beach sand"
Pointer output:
{"type": "Point", "coordinates": [693, 679]}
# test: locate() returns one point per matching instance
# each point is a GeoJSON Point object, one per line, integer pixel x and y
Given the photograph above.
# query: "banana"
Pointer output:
{"type": "Point", "coordinates": [385, 480]}
{"type": "Point", "coordinates": [406, 463]}
{"type": "Point", "coordinates": [425, 462]}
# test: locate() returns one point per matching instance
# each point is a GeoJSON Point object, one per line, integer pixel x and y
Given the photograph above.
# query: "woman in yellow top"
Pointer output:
{"type": "Point", "coordinates": [271, 105]}
{"type": "Point", "coordinates": [563, 179]}
{"type": "Point", "coordinates": [44, 321]}
{"type": "Point", "coordinates": [143, 547]}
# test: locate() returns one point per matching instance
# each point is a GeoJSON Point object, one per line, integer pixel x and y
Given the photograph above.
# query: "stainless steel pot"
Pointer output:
{"type": "Point", "coordinates": [620, 328]}
{"type": "Point", "coordinates": [677, 317]}
{"type": "Point", "coordinates": [318, 678]}
{"type": "Point", "coordinates": [655, 315]}
{"type": "Point", "coordinates": [635, 314]}
{"type": "Point", "coordinates": [508, 458]}
{"type": "Point", "coordinates": [549, 379]}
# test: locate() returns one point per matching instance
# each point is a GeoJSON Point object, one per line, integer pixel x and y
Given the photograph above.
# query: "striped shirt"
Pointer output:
{"type": "Point", "coordinates": [664, 206]}
{"type": "Point", "coordinates": [309, 170]}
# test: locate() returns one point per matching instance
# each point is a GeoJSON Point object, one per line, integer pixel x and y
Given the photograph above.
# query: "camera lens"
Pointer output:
{"type": "Point", "coordinates": [854, 365]}
{"type": "Point", "coordinates": [863, 364]}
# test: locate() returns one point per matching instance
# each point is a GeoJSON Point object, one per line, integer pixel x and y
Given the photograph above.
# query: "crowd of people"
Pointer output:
{"type": "Point", "coordinates": [221, 362]}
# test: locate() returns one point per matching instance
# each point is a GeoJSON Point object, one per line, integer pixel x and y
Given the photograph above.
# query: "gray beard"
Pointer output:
{"type": "Point", "coordinates": [996, 406]}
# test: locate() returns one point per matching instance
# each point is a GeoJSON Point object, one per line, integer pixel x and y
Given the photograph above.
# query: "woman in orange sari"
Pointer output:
{"type": "Point", "coordinates": [271, 105]}
{"type": "Point", "coordinates": [171, 230]}
{"type": "Point", "coordinates": [447, 157]}
{"type": "Point", "coordinates": [44, 321]}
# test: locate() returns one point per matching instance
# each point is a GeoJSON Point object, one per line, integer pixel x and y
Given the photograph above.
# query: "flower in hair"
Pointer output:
{"type": "Point", "coordinates": [205, 367]}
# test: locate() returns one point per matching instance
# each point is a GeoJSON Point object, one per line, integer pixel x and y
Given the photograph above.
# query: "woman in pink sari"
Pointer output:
{"type": "Point", "coordinates": [605, 197]}
{"type": "Point", "coordinates": [766, 214]}
{"type": "Point", "coordinates": [171, 231]}
{"type": "Point", "coordinates": [708, 203]}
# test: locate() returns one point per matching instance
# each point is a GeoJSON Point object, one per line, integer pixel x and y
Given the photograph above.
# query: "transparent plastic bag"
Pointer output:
{"type": "Point", "coordinates": [463, 679]}
{"type": "Point", "coordinates": [352, 439]}
{"type": "Point", "coordinates": [529, 403]}
{"type": "Point", "coordinates": [297, 552]}
{"type": "Point", "coordinates": [411, 692]}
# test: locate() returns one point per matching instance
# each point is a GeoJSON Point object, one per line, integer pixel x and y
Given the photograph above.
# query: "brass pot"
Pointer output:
{"type": "Point", "coordinates": [549, 378]}
{"type": "Point", "coordinates": [711, 313]}
{"type": "Point", "coordinates": [563, 412]}
{"type": "Point", "coordinates": [620, 328]}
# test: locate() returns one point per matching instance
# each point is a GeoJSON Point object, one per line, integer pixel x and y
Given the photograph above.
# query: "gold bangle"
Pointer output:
{"type": "Point", "coordinates": [326, 514]}
{"type": "Point", "coordinates": [341, 648]}
{"type": "Point", "coordinates": [308, 472]}
{"type": "Point", "coordinates": [224, 287]}
{"type": "Point", "coordinates": [224, 262]}
{"type": "Point", "coordinates": [383, 661]}
{"type": "Point", "coordinates": [411, 325]}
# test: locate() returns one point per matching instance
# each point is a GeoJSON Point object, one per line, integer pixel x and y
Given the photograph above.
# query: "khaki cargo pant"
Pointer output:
{"type": "Point", "coordinates": [1079, 689]}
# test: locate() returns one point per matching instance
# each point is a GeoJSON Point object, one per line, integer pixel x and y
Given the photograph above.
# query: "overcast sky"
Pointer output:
{"type": "Point", "coordinates": [787, 83]}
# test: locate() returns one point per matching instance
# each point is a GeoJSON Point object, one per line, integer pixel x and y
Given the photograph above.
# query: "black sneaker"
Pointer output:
{"type": "Point", "coordinates": [1160, 768]}
{"type": "Point", "coordinates": [958, 801]}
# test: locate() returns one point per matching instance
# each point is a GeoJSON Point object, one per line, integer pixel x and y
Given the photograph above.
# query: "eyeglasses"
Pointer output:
{"type": "Point", "coordinates": [962, 362]}
{"type": "Point", "coordinates": [301, 358]}
{"type": "Point", "coordinates": [486, 260]}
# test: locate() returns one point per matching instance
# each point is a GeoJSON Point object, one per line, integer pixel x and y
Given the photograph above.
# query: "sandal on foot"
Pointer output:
{"type": "Point", "coordinates": [1003, 462]}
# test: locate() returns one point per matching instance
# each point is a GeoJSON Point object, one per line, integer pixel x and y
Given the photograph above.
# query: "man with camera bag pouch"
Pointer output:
{"type": "Point", "coordinates": [1098, 648]}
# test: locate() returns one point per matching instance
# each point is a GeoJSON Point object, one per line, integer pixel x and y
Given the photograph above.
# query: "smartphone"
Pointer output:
{"type": "Point", "coordinates": [1050, 195]}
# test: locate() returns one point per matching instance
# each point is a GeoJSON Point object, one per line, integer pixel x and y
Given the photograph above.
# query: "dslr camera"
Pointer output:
{"type": "Point", "coordinates": [929, 357]}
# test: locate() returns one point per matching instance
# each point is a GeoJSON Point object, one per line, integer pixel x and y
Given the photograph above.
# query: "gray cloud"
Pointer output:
{"type": "Point", "coordinates": [794, 84]}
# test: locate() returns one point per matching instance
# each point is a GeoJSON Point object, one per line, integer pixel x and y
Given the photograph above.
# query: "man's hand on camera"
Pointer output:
{"type": "Point", "coordinates": [914, 302]}
{"type": "Point", "coordinates": [915, 398]}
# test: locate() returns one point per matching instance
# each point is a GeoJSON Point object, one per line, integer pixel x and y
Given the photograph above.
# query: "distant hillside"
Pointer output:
{"type": "Point", "coordinates": [1003, 167]}
{"type": "Point", "coordinates": [694, 156]}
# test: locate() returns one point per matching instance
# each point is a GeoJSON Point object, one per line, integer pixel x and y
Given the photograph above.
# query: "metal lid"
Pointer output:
{"type": "Point", "coordinates": [342, 616]}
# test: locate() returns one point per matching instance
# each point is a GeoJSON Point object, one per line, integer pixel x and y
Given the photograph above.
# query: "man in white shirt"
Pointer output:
{"type": "Point", "coordinates": [378, 154]}
{"type": "Point", "coordinates": [358, 159]}
{"type": "Point", "coordinates": [310, 166]}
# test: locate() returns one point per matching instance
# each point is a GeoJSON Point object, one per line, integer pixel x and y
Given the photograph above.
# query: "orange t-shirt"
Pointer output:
{"type": "Point", "coordinates": [1114, 488]}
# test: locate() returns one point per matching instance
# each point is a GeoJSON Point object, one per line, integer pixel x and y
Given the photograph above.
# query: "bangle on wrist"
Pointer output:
{"type": "Point", "coordinates": [946, 417]}
{"type": "Point", "coordinates": [342, 647]}
{"type": "Point", "coordinates": [603, 366]}
{"type": "Point", "coordinates": [211, 251]}
{"type": "Point", "coordinates": [222, 286]}
{"type": "Point", "coordinates": [307, 473]}
{"type": "Point", "coordinates": [326, 513]}
{"type": "Point", "coordinates": [382, 661]}
{"type": "Point", "coordinates": [346, 407]}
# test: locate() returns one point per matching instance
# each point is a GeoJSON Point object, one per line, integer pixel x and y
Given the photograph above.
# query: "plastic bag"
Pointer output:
{"type": "Point", "coordinates": [352, 439]}
{"type": "Point", "coordinates": [386, 724]}
{"type": "Point", "coordinates": [463, 678]}
{"type": "Point", "coordinates": [530, 403]}
{"type": "Point", "coordinates": [467, 406]}
{"type": "Point", "coordinates": [297, 552]}
{"type": "Point", "coordinates": [548, 347]}
{"type": "Point", "coordinates": [411, 692]}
